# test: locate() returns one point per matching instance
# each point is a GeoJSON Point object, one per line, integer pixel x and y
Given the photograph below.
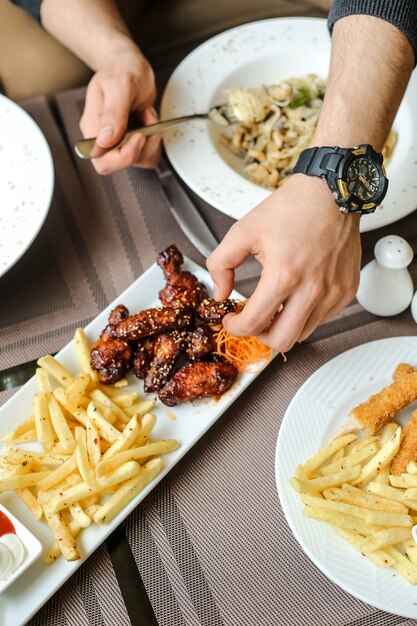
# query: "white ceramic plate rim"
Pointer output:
{"type": "Point", "coordinates": [198, 83]}
{"type": "Point", "coordinates": [35, 137]}
{"type": "Point", "coordinates": [365, 369]}
{"type": "Point", "coordinates": [19, 603]}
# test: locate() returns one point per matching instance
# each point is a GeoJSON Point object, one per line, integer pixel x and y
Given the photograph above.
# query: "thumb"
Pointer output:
{"type": "Point", "coordinates": [114, 117]}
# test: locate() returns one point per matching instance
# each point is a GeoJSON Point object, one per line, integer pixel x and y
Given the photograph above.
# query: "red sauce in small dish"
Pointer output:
{"type": "Point", "coordinates": [6, 525]}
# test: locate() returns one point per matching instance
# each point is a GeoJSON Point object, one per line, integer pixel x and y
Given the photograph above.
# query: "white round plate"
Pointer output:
{"type": "Point", "coordinates": [265, 52]}
{"type": "Point", "coordinates": [26, 182]}
{"type": "Point", "coordinates": [316, 413]}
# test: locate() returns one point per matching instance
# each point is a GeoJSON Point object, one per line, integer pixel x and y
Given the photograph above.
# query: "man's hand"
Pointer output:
{"type": "Point", "coordinates": [310, 255]}
{"type": "Point", "coordinates": [123, 86]}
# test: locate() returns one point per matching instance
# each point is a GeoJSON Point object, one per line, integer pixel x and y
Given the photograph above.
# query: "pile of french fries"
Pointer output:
{"type": "Point", "coordinates": [95, 455]}
{"type": "Point", "coordinates": [348, 485]}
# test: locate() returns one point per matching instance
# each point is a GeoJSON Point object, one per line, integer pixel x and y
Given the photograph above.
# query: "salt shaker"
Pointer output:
{"type": "Point", "coordinates": [386, 287]}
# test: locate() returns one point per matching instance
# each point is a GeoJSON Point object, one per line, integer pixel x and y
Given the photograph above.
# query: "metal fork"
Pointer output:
{"type": "Point", "coordinates": [221, 114]}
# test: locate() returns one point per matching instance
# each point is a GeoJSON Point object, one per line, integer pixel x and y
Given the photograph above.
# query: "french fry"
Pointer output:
{"type": "Point", "coordinates": [362, 443]}
{"type": "Point", "coordinates": [63, 536]}
{"type": "Point", "coordinates": [61, 427]}
{"type": "Point", "coordinates": [82, 349]}
{"type": "Point", "coordinates": [32, 504]}
{"type": "Point", "coordinates": [42, 379]}
{"type": "Point", "coordinates": [78, 514]}
{"type": "Point", "coordinates": [392, 493]}
{"type": "Point", "coordinates": [27, 437]}
{"type": "Point", "coordinates": [378, 518]}
{"type": "Point", "coordinates": [379, 557]}
{"type": "Point", "coordinates": [411, 550]}
{"type": "Point", "coordinates": [123, 399]}
{"type": "Point", "coordinates": [327, 451]}
{"type": "Point", "coordinates": [19, 482]}
{"type": "Point", "coordinates": [402, 565]}
{"type": "Point", "coordinates": [403, 481]}
{"type": "Point", "coordinates": [135, 431]}
{"type": "Point", "coordinates": [45, 496]}
{"type": "Point", "coordinates": [140, 408]}
{"type": "Point", "coordinates": [411, 467]}
{"type": "Point", "coordinates": [56, 370]}
{"type": "Point", "coordinates": [93, 445]}
{"type": "Point", "coordinates": [384, 538]}
{"type": "Point", "coordinates": [82, 456]}
{"type": "Point", "coordinates": [42, 420]}
{"type": "Point", "coordinates": [106, 430]}
{"type": "Point", "coordinates": [23, 428]}
{"type": "Point", "coordinates": [122, 382]}
{"type": "Point", "coordinates": [128, 491]}
{"type": "Point", "coordinates": [18, 455]}
{"type": "Point", "coordinates": [352, 495]}
{"type": "Point", "coordinates": [54, 552]}
{"type": "Point", "coordinates": [100, 398]}
{"type": "Point", "coordinates": [341, 520]}
{"type": "Point", "coordinates": [383, 475]}
{"type": "Point", "coordinates": [83, 490]}
{"type": "Point", "coordinates": [57, 476]}
{"type": "Point", "coordinates": [148, 450]}
{"type": "Point", "coordinates": [351, 460]}
{"type": "Point", "coordinates": [382, 458]}
{"type": "Point", "coordinates": [315, 485]}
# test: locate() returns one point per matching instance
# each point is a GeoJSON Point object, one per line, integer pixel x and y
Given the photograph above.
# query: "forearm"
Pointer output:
{"type": "Point", "coordinates": [91, 29]}
{"type": "Point", "coordinates": [371, 63]}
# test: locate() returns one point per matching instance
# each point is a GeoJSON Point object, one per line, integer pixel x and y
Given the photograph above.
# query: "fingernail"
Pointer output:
{"type": "Point", "coordinates": [215, 291]}
{"type": "Point", "coordinates": [106, 132]}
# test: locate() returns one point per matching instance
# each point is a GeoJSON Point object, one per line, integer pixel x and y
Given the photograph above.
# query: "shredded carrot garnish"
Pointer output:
{"type": "Point", "coordinates": [241, 351]}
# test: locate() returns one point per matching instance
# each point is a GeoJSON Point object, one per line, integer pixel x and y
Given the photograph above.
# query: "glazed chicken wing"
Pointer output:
{"type": "Point", "coordinates": [142, 356]}
{"type": "Point", "coordinates": [198, 380]}
{"type": "Point", "coordinates": [182, 288]}
{"type": "Point", "coordinates": [110, 357]}
{"type": "Point", "coordinates": [152, 322]}
{"type": "Point", "coordinates": [202, 344]}
{"type": "Point", "coordinates": [167, 349]}
{"type": "Point", "coordinates": [214, 311]}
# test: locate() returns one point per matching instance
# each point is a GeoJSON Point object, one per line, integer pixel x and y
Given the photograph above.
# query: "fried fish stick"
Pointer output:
{"type": "Point", "coordinates": [408, 447]}
{"type": "Point", "coordinates": [381, 407]}
{"type": "Point", "coordinates": [402, 370]}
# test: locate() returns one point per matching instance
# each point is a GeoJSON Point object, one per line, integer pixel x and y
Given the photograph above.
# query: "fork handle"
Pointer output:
{"type": "Point", "coordinates": [88, 149]}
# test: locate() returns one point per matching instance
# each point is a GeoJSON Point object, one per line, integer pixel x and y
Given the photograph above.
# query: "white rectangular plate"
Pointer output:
{"type": "Point", "coordinates": [23, 599]}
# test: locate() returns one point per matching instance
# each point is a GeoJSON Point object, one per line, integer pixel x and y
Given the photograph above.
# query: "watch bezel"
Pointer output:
{"type": "Point", "coordinates": [347, 201]}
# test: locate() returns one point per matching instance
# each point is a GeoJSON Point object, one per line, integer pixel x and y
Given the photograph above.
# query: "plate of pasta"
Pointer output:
{"type": "Point", "coordinates": [271, 74]}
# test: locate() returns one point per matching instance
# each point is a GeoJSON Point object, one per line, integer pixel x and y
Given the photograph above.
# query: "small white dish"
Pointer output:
{"type": "Point", "coordinates": [251, 55]}
{"type": "Point", "coordinates": [31, 546]}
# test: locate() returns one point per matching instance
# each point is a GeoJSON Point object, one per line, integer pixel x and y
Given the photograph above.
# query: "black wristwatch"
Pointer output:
{"type": "Point", "coordinates": [356, 176]}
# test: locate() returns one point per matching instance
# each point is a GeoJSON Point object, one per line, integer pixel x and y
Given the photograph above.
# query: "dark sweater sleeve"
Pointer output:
{"type": "Point", "coordinates": [400, 13]}
{"type": "Point", "coordinates": [33, 7]}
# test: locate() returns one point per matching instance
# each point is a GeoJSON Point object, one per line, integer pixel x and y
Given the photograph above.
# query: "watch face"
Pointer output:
{"type": "Point", "coordinates": [363, 178]}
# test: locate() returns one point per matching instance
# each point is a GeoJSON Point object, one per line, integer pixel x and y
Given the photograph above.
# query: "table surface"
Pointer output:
{"type": "Point", "coordinates": [102, 233]}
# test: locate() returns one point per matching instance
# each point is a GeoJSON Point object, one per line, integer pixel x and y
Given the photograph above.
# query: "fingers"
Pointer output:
{"type": "Point", "coordinates": [151, 151]}
{"type": "Point", "coordinates": [90, 120]}
{"type": "Point", "coordinates": [285, 330]}
{"type": "Point", "coordinates": [259, 310]}
{"type": "Point", "coordinates": [114, 115]}
{"type": "Point", "coordinates": [221, 264]}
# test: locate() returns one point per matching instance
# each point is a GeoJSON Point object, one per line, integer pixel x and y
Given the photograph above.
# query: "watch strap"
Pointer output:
{"type": "Point", "coordinates": [320, 161]}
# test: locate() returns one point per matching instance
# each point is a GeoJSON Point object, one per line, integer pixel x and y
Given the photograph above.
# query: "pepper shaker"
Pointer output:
{"type": "Point", "coordinates": [386, 287]}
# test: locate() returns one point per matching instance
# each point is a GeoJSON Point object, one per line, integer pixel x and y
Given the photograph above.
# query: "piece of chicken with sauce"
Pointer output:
{"type": "Point", "coordinates": [110, 357]}
{"type": "Point", "coordinates": [167, 349]}
{"type": "Point", "coordinates": [213, 311]}
{"type": "Point", "coordinates": [153, 322]}
{"type": "Point", "coordinates": [198, 380]}
{"type": "Point", "coordinates": [142, 356]}
{"type": "Point", "coordinates": [202, 344]}
{"type": "Point", "coordinates": [182, 288]}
